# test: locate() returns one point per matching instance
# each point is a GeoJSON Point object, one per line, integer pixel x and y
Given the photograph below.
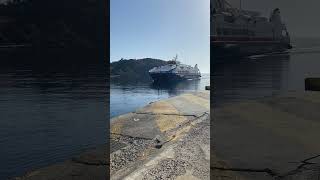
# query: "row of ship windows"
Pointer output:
{"type": "Point", "coordinates": [225, 31]}
{"type": "Point", "coordinates": [183, 72]}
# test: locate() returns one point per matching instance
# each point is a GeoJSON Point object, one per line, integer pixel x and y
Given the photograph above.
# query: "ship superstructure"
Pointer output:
{"type": "Point", "coordinates": [241, 32]}
{"type": "Point", "coordinates": [174, 71]}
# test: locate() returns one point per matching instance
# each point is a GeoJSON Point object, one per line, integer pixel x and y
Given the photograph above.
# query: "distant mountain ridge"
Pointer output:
{"type": "Point", "coordinates": [133, 70]}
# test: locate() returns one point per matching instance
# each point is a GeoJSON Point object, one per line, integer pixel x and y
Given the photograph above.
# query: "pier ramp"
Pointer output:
{"type": "Point", "coordinates": [167, 139]}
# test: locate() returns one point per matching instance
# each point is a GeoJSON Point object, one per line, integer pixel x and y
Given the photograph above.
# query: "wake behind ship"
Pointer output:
{"type": "Point", "coordinates": [237, 32]}
{"type": "Point", "coordinates": [174, 71]}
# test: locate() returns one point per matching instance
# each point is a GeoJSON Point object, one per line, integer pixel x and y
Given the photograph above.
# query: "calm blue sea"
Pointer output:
{"type": "Point", "coordinates": [126, 98]}
{"type": "Point", "coordinates": [266, 75]}
{"type": "Point", "coordinates": [49, 112]}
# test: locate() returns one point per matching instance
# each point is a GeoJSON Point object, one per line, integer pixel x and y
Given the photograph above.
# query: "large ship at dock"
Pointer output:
{"type": "Point", "coordinates": [174, 71]}
{"type": "Point", "coordinates": [237, 32]}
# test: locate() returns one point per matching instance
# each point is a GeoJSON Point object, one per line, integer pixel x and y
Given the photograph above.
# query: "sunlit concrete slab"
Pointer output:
{"type": "Point", "coordinates": [275, 135]}
{"type": "Point", "coordinates": [165, 139]}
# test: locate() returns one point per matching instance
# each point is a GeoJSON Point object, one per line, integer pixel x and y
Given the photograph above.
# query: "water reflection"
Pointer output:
{"type": "Point", "coordinates": [50, 111]}
{"type": "Point", "coordinates": [250, 78]}
{"type": "Point", "coordinates": [128, 97]}
{"type": "Point", "coordinates": [175, 88]}
{"type": "Point", "coordinates": [266, 75]}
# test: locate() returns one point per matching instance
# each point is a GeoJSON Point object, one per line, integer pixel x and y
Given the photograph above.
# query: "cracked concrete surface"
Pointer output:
{"type": "Point", "coordinates": [190, 154]}
{"type": "Point", "coordinates": [270, 138]}
{"type": "Point", "coordinates": [170, 139]}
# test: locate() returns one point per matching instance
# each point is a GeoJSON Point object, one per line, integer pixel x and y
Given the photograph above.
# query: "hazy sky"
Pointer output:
{"type": "Point", "coordinates": [161, 29]}
{"type": "Point", "coordinates": [301, 17]}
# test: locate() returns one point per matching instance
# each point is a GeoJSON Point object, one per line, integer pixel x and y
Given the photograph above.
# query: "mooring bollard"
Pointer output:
{"type": "Point", "coordinates": [208, 88]}
{"type": "Point", "coordinates": [312, 84]}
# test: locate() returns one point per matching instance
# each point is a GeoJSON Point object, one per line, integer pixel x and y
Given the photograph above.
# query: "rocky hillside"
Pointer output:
{"type": "Point", "coordinates": [132, 70]}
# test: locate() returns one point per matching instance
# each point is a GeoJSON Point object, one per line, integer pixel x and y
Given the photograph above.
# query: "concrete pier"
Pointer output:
{"type": "Point", "coordinates": [168, 139]}
{"type": "Point", "coordinates": [270, 138]}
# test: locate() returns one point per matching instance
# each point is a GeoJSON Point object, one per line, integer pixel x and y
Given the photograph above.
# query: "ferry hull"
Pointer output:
{"type": "Point", "coordinates": [172, 77]}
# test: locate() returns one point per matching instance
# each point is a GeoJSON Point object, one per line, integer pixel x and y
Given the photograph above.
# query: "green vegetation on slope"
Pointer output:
{"type": "Point", "coordinates": [133, 71]}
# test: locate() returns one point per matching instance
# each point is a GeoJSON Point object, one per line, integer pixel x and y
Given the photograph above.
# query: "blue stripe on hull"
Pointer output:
{"type": "Point", "coordinates": [165, 77]}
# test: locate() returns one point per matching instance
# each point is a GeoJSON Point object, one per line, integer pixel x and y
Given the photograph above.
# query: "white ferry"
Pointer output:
{"type": "Point", "coordinates": [174, 71]}
{"type": "Point", "coordinates": [237, 32]}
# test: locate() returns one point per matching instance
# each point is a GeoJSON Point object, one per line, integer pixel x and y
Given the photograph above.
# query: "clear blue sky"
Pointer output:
{"type": "Point", "coordinates": [161, 29]}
